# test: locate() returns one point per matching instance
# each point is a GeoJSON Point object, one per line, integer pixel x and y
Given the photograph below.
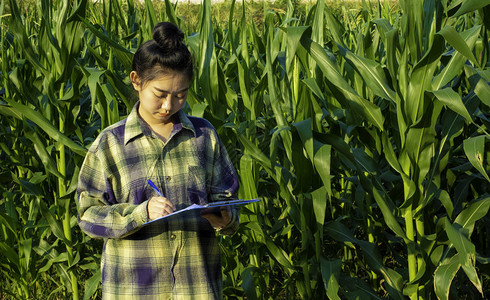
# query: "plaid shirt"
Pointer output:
{"type": "Point", "coordinates": [175, 258]}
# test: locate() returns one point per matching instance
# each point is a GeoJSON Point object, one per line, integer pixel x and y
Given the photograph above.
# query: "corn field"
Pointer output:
{"type": "Point", "coordinates": [365, 132]}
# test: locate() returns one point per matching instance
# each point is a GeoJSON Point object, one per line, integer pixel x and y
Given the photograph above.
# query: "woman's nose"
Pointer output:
{"type": "Point", "coordinates": [166, 104]}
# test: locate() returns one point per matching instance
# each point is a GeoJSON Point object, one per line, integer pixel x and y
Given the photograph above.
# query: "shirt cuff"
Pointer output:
{"type": "Point", "coordinates": [140, 213]}
{"type": "Point", "coordinates": [232, 227]}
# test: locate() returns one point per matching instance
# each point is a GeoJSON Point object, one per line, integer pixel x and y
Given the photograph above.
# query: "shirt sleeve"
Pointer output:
{"type": "Point", "coordinates": [99, 214]}
{"type": "Point", "coordinates": [224, 186]}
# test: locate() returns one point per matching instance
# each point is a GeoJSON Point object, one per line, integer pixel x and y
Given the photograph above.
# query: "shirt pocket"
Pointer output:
{"type": "Point", "coordinates": [196, 185]}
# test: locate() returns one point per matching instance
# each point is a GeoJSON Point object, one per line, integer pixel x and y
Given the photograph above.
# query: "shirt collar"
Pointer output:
{"type": "Point", "coordinates": [135, 126]}
{"type": "Point", "coordinates": [184, 123]}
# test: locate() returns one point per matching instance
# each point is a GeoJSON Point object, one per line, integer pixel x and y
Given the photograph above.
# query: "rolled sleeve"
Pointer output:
{"type": "Point", "coordinates": [99, 214]}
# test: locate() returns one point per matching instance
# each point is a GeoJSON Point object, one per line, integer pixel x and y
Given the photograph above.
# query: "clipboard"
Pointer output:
{"type": "Point", "coordinates": [205, 206]}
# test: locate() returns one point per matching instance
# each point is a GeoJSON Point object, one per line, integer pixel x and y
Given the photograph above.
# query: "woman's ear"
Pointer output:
{"type": "Point", "coordinates": [135, 80]}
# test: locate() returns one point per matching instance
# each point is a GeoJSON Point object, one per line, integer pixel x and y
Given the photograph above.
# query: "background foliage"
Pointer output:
{"type": "Point", "coordinates": [363, 128]}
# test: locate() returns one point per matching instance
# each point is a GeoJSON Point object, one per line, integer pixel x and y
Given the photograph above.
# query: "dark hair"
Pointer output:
{"type": "Point", "coordinates": [165, 52]}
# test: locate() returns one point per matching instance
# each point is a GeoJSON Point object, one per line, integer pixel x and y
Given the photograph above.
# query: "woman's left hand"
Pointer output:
{"type": "Point", "coordinates": [218, 219]}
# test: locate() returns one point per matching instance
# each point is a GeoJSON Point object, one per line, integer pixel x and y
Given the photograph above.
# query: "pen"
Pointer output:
{"type": "Point", "coordinates": [155, 188]}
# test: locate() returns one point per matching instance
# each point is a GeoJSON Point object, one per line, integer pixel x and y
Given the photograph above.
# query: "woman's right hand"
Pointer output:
{"type": "Point", "coordinates": [159, 207]}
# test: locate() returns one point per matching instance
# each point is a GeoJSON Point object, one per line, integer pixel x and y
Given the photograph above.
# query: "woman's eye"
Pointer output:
{"type": "Point", "coordinates": [164, 96]}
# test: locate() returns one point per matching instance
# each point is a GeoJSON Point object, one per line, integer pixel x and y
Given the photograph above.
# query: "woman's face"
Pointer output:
{"type": "Point", "coordinates": [161, 98]}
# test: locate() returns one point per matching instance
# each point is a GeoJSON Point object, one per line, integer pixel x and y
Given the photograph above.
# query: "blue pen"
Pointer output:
{"type": "Point", "coordinates": [155, 188]}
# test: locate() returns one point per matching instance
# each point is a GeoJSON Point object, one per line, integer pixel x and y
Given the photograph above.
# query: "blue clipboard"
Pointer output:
{"type": "Point", "coordinates": [208, 205]}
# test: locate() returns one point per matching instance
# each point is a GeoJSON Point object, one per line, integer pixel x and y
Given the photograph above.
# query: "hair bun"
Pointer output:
{"type": "Point", "coordinates": [168, 36]}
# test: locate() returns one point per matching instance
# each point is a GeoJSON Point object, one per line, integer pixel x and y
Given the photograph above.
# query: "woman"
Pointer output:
{"type": "Point", "coordinates": [177, 257]}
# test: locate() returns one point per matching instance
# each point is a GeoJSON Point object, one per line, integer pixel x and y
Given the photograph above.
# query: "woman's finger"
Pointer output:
{"type": "Point", "coordinates": [159, 207]}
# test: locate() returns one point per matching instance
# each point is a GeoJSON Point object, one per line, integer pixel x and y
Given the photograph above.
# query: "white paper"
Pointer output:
{"type": "Point", "coordinates": [209, 205]}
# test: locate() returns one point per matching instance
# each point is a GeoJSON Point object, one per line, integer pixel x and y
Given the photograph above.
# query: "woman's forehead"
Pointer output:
{"type": "Point", "coordinates": [170, 81]}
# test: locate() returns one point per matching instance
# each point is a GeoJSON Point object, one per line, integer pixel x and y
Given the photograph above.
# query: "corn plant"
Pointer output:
{"type": "Point", "coordinates": [390, 101]}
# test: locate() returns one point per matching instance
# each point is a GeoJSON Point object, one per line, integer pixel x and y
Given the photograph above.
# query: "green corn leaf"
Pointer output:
{"type": "Point", "coordinates": [470, 271]}
{"type": "Point", "coordinates": [482, 90]}
{"type": "Point", "coordinates": [273, 98]}
{"type": "Point", "coordinates": [306, 134]}
{"type": "Point", "coordinates": [93, 80]}
{"type": "Point", "coordinates": [198, 109]}
{"type": "Point", "coordinates": [123, 54]}
{"type": "Point", "coordinates": [10, 111]}
{"type": "Point", "coordinates": [372, 73]}
{"type": "Point", "coordinates": [255, 227]}
{"type": "Point", "coordinates": [244, 80]}
{"type": "Point", "coordinates": [453, 100]}
{"type": "Point", "coordinates": [340, 233]}
{"type": "Point", "coordinates": [19, 32]}
{"type": "Point", "coordinates": [171, 15]}
{"type": "Point", "coordinates": [474, 212]}
{"type": "Point", "coordinates": [207, 60]}
{"type": "Point", "coordinates": [421, 81]}
{"type": "Point", "coordinates": [330, 71]}
{"type": "Point", "coordinates": [421, 139]}
{"type": "Point", "coordinates": [395, 283]}
{"type": "Point", "coordinates": [248, 283]}
{"type": "Point", "coordinates": [444, 275]}
{"type": "Point", "coordinates": [319, 207]}
{"type": "Point", "coordinates": [388, 215]}
{"type": "Point", "coordinates": [483, 260]}
{"type": "Point", "coordinates": [453, 68]}
{"type": "Point", "coordinates": [255, 152]}
{"type": "Point", "coordinates": [480, 81]}
{"type": "Point", "coordinates": [55, 226]}
{"type": "Point", "coordinates": [364, 161]}
{"type": "Point", "coordinates": [389, 153]}
{"type": "Point", "coordinates": [11, 255]}
{"type": "Point", "coordinates": [358, 289]}
{"type": "Point", "coordinates": [26, 250]}
{"type": "Point", "coordinates": [318, 26]}
{"type": "Point", "coordinates": [279, 254]}
{"type": "Point", "coordinates": [313, 86]}
{"type": "Point", "coordinates": [152, 17]}
{"type": "Point", "coordinates": [447, 202]}
{"type": "Point", "coordinates": [294, 35]}
{"type": "Point", "coordinates": [274, 143]}
{"type": "Point", "coordinates": [391, 60]}
{"type": "Point", "coordinates": [9, 223]}
{"type": "Point", "coordinates": [322, 162]}
{"type": "Point", "coordinates": [474, 148]}
{"type": "Point", "coordinates": [48, 251]}
{"type": "Point", "coordinates": [45, 125]}
{"type": "Point", "coordinates": [457, 42]}
{"type": "Point", "coordinates": [92, 284]}
{"type": "Point", "coordinates": [247, 177]}
{"type": "Point", "coordinates": [46, 159]}
{"type": "Point", "coordinates": [466, 252]}
{"type": "Point", "coordinates": [336, 28]}
{"type": "Point", "coordinates": [470, 6]}
{"type": "Point", "coordinates": [330, 276]}
{"type": "Point", "coordinates": [340, 146]}
{"type": "Point", "coordinates": [460, 241]}
{"type": "Point", "coordinates": [413, 12]}
{"type": "Point", "coordinates": [393, 278]}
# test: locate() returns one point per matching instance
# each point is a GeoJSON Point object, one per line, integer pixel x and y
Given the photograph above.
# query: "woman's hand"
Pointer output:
{"type": "Point", "coordinates": [159, 207]}
{"type": "Point", "coordinates": [218, 219]}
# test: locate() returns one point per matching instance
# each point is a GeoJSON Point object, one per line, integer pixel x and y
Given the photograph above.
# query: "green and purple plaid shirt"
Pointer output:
{"type": "Point", "coordinates": [175, 258]}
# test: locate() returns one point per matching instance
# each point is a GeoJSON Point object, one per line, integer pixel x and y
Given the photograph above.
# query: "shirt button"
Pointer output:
{"type": "Point", "coordinates": [168, 178]}
{"type": "Point", "coordinates": [172, 237]}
